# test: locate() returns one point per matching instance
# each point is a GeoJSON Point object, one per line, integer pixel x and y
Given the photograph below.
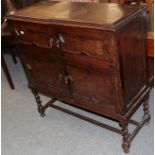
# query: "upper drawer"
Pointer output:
{"type": "Point", "coordinates": [92, 43]}
{"type": "Point", "coordinates": [36, 34]}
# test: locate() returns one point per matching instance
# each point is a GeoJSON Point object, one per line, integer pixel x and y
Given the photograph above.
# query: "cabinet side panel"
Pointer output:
{"type": "Point", "coordinates": [132, 50]}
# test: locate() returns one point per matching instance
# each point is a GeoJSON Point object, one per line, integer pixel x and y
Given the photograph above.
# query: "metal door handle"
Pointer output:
{"type": "Point", "coordinates": [68, 79]}
{"type": "Point", "coordinates": [61, 38]}
{"type": "Point", "coordinates": [51, 42]}
{"type": "Point", "coordinates": [16, 31]}
{"type": "Point", "coordinates": [28, 66]}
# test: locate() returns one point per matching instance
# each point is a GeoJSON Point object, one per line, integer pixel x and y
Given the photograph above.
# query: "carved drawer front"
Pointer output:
{"type": "Point", "coordinates": [34, 34]}
{"type": "Point", "coordinates": [86, 62]}
{"type": "Point", "coordinates": [90, 45]}
{"type": "Point", "coordinates": [42, 68]}
{"type": "Point", "coordinates": [95, 88]}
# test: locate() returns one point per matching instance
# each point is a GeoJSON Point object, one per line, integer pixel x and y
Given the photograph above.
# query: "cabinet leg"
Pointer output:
{"type": "Point", "coordinates": [146, 109]}
{"type": "Point", "coordinates": [126, 143]}
{"type": "Point", "coordinates": [41, 109]}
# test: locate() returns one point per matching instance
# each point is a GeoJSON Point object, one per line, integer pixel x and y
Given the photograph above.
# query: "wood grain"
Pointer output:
{"type": "Point", "coordinates": [96, 59]}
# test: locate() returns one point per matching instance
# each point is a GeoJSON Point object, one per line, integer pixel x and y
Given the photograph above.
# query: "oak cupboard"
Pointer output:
{"type": "Point", "coordinates": [92, 56]}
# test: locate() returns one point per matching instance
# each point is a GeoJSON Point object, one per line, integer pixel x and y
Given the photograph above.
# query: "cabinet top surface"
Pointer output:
{"type": "Point", "coordinates": [103, 14]}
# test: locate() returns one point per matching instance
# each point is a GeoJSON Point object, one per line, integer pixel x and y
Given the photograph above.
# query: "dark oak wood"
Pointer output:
{"type": "Point", "coordinates": [91, 56]}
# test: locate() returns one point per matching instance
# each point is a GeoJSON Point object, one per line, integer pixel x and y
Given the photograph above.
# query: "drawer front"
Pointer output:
{"type": "Point", "coordinates": [34, 34]}
{"type": "Point", "coordinates": [88, 63]}
{"type": "Point", "coordinates": [91, 43]}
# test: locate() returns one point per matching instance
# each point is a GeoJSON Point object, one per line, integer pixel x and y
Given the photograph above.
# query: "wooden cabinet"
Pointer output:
{"type": "Point", "coordinates": [92, 56]}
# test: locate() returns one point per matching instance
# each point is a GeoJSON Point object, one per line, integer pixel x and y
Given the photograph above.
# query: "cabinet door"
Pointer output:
{"type": "Point", "coordinates": [95, 88]}
{"type": "Point", "coordinates": [42, 67]}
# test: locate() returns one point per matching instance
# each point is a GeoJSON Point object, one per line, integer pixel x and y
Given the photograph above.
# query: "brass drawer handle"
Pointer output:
{"type": "Point", "coordinates": [35, 44]}
{"type": "Point", "coordinates": [19, 32]}
{"type": "Point", "coordinates": [61, 38]}
{"type": "Point", "coordinates": [38, 45]}
{"type": "Point", "coordinates": [28, 66]}
{"type": "Point", "coordinates": [68, 79]}
{"type": "Point", "coordinates": [83, 52]}
{"type": "Point", "coordinates": [16, 31]}
{"type": "Point", "coordinates": [51, 42]}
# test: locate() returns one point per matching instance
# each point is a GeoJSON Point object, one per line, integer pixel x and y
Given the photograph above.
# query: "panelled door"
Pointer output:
{"type": "Point", "coordinates": [43, 67]}
{"type": "Point", "coordinates": [94, 87]}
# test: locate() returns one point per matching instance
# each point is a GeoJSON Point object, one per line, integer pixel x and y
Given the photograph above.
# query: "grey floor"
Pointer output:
{"type": "Point", "coordinates": [24, 132]}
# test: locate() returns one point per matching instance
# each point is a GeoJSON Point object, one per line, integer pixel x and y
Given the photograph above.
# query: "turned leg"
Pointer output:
{"type": "Point", "coordinates": [146, 109]}
{"type": "Point", "coordinates": [41, 109]}
{"type": "Point", "coordinates": [125, 134]}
